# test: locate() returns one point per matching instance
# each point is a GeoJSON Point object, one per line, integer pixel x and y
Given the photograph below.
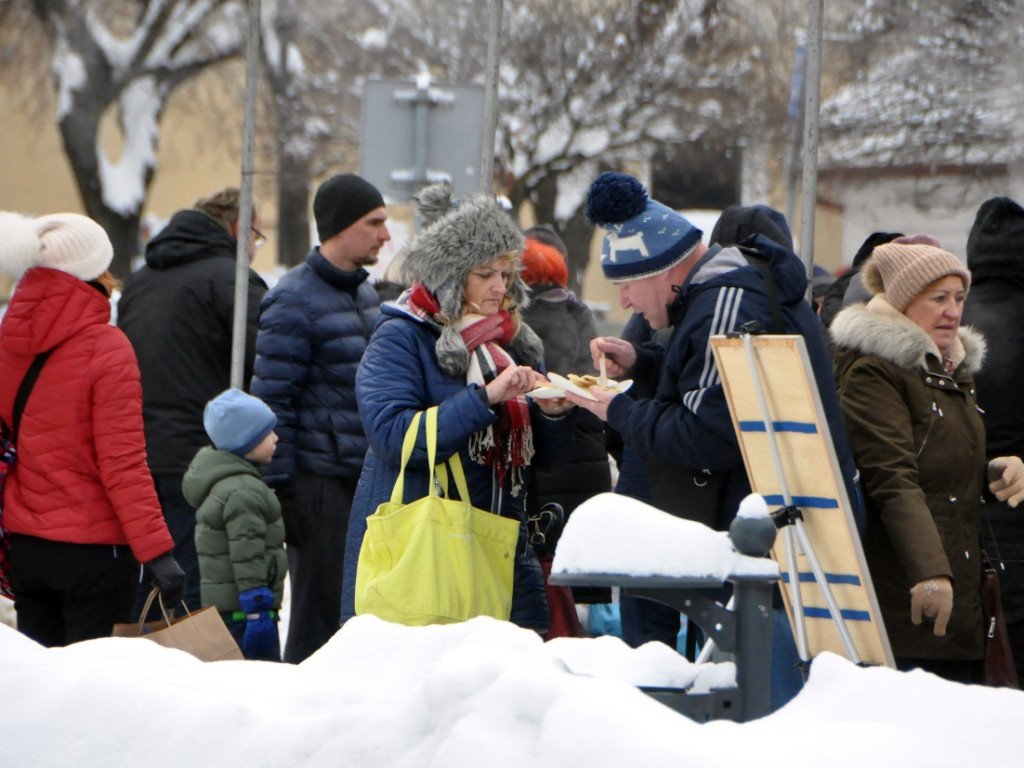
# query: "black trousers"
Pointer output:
{"type": "Point", "coordinates": [65, 592]}
{"type": "Point", "coordinates": [321, 505]}
{"type": "Point", "coordinates": [954, 670]}
{"type": "Point", "coordinates": [1016, 631]}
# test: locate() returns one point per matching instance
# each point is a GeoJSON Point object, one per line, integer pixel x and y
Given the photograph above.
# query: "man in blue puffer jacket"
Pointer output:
{"type": "Point", "coordinates": [314, 326]}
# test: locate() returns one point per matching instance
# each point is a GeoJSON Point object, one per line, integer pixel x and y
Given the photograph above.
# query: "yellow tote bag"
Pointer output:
{"type": "Point", "coordinates": [435, 560]}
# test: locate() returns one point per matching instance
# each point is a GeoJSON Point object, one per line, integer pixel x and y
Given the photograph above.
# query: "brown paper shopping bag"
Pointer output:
{"type": "Point", "coordinates": [203, 633]}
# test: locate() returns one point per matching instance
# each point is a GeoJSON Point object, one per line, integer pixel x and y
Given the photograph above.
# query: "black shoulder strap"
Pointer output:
{"type": "Point", "coordinates": [756, 259]}
{"type": "Point", "coordinates": [24, 390]}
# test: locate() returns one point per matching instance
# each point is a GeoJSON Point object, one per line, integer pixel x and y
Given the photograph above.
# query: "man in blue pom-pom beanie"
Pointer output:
{"type": "Point", "coordinates": [684, 431]}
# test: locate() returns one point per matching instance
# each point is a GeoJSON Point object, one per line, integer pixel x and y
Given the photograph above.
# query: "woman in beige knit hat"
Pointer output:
{"type": "Point", "coordinates": [905, 369]}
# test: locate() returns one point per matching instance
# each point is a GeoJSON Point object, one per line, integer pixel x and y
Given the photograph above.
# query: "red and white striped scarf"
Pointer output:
{"type": "Point", "coordinates": [506, 445]}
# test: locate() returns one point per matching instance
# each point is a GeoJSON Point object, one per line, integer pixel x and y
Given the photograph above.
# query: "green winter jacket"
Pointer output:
{"type": "Point", "coordinates": [239, 530]}
{"type": "Point", "coordinates": [919, 443]}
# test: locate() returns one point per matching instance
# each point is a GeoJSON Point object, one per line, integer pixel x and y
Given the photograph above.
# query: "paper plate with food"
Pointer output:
{"type": "Point", "coordinates": [546, 392]}
{"type": "Point", "coordinates": [581, 385]}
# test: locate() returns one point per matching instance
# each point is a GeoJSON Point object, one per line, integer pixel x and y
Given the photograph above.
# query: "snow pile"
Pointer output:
{"type": "Point", "coordinates": [616, 534]}
{"type": "Point", "coordinates": [479, 693]}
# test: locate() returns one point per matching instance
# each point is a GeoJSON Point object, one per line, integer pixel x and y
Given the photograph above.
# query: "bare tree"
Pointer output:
{"type": "Point", "coordinates": [127, 57]}
{"type": "Point", "coordinates": [316, 56]}
{"type": "Point", "coordinates": [931, 86]}
{"type": "Point", "coordinates": [582, 83]}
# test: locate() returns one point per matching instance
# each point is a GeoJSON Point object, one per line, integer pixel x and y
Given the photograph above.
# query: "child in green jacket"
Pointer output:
{"type": "Point", "coordinates": [239, 529]}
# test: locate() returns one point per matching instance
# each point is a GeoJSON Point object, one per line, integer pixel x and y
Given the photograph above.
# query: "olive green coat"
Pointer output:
{"type": "Point", "coordinates": [919, 443]}
{"type": "Point", "coordinates": [239, 530]}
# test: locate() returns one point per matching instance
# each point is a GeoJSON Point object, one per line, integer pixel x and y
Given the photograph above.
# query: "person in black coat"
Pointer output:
{"type": "Point", "coordinates": [565, 325]}
{"type": "Point", "coordinates": [835, 297]}
{"type": "Point", "coordinates": [178, 313]}
{"type": "Point", "coordinates": [995, 307]}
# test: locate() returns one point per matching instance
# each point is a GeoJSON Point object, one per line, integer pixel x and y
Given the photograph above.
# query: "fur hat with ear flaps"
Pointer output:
{"type": "Point", "coordinates": [459, 235]}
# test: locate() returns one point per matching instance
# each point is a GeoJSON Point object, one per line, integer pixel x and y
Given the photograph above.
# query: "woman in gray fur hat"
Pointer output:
{"type": "Point", "coordinates": [455, 339]}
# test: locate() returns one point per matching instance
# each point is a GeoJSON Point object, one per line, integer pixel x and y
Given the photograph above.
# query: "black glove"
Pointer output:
{"type": "Point", "coordinates": [169, 578]}
{"type": "Point", "coordinates": [545, 527]}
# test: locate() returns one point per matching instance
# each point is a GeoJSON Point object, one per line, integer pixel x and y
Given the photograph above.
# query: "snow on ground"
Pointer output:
{"type": "Point", "coordinates": [480, 693]}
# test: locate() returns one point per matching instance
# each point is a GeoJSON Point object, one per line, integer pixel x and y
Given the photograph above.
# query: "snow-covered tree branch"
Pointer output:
{"type": "Point", "coordinates": [104, 59]}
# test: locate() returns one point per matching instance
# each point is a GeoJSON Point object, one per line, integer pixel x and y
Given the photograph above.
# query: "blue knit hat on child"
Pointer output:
{"type": "Point", "coordinates": [642, 237]}
{"type": "Point", "coordinates": [237, 422]}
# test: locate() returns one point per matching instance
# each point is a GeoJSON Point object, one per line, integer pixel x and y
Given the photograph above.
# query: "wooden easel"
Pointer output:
{"type": "Point", "coordinates": [790, 460]}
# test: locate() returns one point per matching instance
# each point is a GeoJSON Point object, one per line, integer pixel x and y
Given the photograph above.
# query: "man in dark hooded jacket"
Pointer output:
{"type": "Point", "coordinates": [177, 311]}
{"type": "Point", "coordinates": [738, 222]}
{"type": "Point", "coordinates": [836, 297]}
{"type": "Point", "coordinates": [995, 307]}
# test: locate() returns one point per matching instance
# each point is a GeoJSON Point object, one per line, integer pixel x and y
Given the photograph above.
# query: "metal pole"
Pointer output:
{"type": "Point", "coordinates": [800, 627]}
{"type": "Point", "coordinates": [491, 97]}
{"type": "Point", "coordinates": [795, 119]}
{"type": "Point", "coordinates": [421, 110]}
{"type": "Point", "coordinates": [812, 98]}
{"type": "Point", "coordinates": [238, 329]}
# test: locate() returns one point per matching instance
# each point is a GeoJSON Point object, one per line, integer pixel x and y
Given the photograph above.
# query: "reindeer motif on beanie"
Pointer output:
{"type": "Point", "coordinates": [643, 237]}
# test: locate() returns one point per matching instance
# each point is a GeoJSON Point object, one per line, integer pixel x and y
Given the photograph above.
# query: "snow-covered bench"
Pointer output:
{"type": "Point", "coordinates": [613, 540]}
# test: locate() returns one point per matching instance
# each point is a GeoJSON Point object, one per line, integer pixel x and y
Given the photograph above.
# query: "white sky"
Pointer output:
{"type": "Point", "coordinates": [482, 693]}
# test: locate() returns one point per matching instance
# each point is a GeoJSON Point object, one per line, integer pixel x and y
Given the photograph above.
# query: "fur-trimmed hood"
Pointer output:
{"type": "Point", "coordinates": [877, 328]}
{"type": "Point", "coordinates": [458, 236]}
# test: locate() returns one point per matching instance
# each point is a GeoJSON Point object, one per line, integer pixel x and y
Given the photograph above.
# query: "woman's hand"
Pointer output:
{"type": "Point", "coordinates": [620, 355]}
{"type": "Point", "coordinates": [514, 381]}
{"type": "Point", "coordinates": [932, 599]}
{"type": "Point", "coordinates": [1006, 479]}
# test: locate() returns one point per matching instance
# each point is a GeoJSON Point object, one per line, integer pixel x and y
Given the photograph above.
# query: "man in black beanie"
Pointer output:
{"type": "Point", "coordinates": [995, 307]}
{"type": "Point", "coordinates": [314, 325]}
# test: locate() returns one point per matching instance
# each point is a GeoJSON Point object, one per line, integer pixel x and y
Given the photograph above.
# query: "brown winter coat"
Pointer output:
{"type": "Point", "coordinates": [919, 443]}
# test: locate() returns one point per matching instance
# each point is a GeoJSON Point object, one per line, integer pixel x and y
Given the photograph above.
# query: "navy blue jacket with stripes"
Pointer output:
{"type": "Point", "coordinates": [687, 423]}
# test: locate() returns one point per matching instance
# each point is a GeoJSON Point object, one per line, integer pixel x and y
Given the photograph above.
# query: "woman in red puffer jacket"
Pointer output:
{"type": "Point", "coordinates": [79, 507]}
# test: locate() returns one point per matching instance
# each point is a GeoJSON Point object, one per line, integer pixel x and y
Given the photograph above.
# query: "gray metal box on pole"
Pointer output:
{"type": "Point", "coordinates": [417, 132]}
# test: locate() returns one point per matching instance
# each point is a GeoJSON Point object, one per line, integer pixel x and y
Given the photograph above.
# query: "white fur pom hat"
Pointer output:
{"type": "Point", "coordinates": [460, 235]}
{"type": "Point", "coordinates": [66, 241]}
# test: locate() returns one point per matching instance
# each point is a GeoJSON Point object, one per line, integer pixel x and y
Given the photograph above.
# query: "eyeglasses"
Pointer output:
{"type": "Point", "coordinates": [259, 240]}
